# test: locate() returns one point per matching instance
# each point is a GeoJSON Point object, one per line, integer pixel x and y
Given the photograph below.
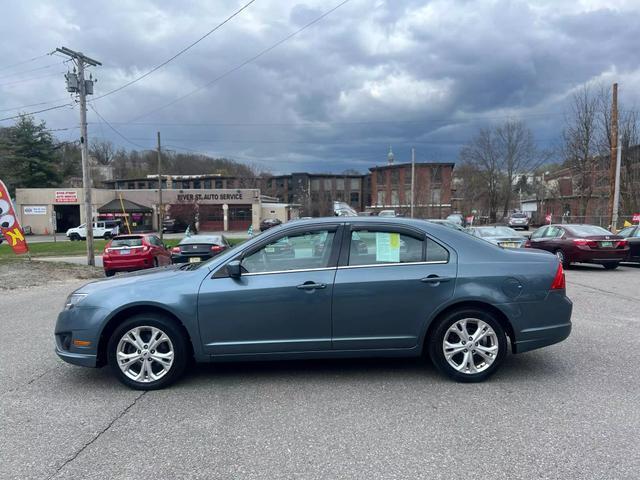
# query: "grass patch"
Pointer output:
{"type": "Point", "coordinates": [66, 248]}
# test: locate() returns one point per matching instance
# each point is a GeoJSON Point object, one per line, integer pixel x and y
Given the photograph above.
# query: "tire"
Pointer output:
{"type": "Point", "coordinates": [611, 266]}
{"type": "Point", "coordinates": [145, 325]}
{"type": "Point", "coordinates": [155, 262]}
{"type": "Point", "coordinates": [107, 235]}
{"type": "Point", "coordinates": [74, 237]}
{"type": "Point", "coordinates": [494, 345]}
{"type": "Point", "coordinates": [109, 273]}
{"type": "Point", "coordinates": [562, 258]}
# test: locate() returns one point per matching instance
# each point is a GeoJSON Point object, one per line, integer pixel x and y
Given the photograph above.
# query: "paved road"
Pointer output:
{"type": "Point", "coordinates": [569, 411]}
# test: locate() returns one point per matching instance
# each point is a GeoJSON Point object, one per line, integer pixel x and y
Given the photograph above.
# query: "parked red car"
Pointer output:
{"type": "Point", "coordinates": [127, 253]}
{"type": "Point", "coordinates": [581, 243]}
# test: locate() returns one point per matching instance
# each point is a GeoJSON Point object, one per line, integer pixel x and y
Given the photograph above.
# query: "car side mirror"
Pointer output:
{"type": "Point", "coordinates": [234, 268]}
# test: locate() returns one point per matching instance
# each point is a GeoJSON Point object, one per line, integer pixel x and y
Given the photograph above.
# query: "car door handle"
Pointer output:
{"type": "Point", "coordinates": [311, 286]}
{"type": "Point", "coordinates": [435, 279]}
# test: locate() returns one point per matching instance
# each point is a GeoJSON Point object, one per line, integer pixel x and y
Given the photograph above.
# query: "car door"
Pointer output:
{"type": "Point", "coordinates": [537, 239]}
{"type": "Point", "coordinates": [389, 282]}
{"type": "Point", "coordinates": [282, 300]}
{"type": "Point", "coordinates": [634, 244]}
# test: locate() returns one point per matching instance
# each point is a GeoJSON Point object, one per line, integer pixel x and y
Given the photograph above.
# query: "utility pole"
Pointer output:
{"type": "Point", "coordinates": [613, 152]}
{"type": "Point", "coordinates": [76, 83]}
{"type": "Point", "coordinates": [413, 176]}
{"type": "Point", "coordinates": [160, 206]}
{"type": "Point", "coordinates": [616, 189]}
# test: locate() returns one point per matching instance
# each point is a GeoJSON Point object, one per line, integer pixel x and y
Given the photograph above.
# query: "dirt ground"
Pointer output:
{"type": "Point", "coordinates": [24, 273]}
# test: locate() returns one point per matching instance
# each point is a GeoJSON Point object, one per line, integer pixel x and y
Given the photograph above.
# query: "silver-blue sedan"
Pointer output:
{"type": "Point", "coordinates": [351, 287]}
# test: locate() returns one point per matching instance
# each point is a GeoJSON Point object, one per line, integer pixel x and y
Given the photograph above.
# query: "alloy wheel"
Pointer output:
{"type": "Point", "coordinates": [560, 255]}
{"type": "Point", "coordinates": [470, 345]}
{"type": "Point", "coordinates": [145, 354]}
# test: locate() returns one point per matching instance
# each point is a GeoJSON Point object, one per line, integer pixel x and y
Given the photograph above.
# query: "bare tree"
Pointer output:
{"type": "Point", "coordinates": [582, 142]}
{"type": "Point", "coordinates": [518, 155]}
{"type": "Point", "coordinates": [630, 162]}
{"type": "Point", "coordinates": [102, 151]}
{"type": "Point", "coordinates": [484, 154]}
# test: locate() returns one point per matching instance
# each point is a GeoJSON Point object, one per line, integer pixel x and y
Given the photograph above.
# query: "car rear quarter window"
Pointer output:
{"type": "Point", "coordinates": [436, 252]}
{"type": "Point", "coordinates": [369, 247]}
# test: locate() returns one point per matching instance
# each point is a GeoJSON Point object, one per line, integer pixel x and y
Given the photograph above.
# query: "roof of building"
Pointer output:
{"type": "Point", "coordinates": [418, 164]}
{"type": "Point", "coordinates": [116, 206]}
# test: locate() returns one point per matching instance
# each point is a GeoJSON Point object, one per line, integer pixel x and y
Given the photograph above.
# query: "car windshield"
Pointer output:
{"type": "Point", "coordinates": [588, 230]}
{"type": "Point", "coordinates": [497, 232]}
{"type": "Point", "coordinates": [126, 242]}
{"type": "Point", "coordinates": [518, 215]}
{"type": "Point", "coordinates": [201, 239]}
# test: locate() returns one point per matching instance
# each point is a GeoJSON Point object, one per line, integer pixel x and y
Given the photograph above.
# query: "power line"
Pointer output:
{"type": "Point", "coordinates": [15, 82]}
{"type": "Point", "coordinates": [37, 111]}
{"type": "Point", "coordinates": [228, 19]}
{"type": "Point", "coordinates": [33, 105]}
{"type": "Point", "coordinates": [246, 62]}
{"type": "Point", "coordinates": [31, 70]}
{"type": "Point", "coordinates": [323, 123]}
{"type": "Point", "coordinates": [25, 61]}
{"type": "Point", "coordinates": [116, 131]}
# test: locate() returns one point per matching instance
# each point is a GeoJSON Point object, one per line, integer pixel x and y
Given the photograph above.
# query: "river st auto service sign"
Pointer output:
{"type": "Point", "coordinates": [66, 196]}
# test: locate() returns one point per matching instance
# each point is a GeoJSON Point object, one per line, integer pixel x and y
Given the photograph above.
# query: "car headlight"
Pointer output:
{"type": "Point", "coordinates": [73, 300]}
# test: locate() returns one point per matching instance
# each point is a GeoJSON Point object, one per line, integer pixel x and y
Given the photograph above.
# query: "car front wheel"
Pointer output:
{"type": "Point", "coordinates": [468, 345]}
{"type": "Point", "coordinates": [148, 352]}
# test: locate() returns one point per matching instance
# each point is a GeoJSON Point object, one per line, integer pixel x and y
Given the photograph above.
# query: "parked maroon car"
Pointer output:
{"type": "Point", "coordinates": [127, 253]}
{"type": "Point", "coordinates": [632, 236]}
{"type": "Point", "coordinates": [581, 243]}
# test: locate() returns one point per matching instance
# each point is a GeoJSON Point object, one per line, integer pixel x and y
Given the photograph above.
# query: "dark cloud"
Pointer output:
{"type": "Point", "coordinates": [373, 73]}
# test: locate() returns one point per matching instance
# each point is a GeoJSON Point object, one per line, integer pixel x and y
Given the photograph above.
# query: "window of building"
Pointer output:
{"type": "Point", "coordinates": [339, 183]}
{"type": "Point", "coordinates": [407, 196]}
{"type": "Point", "coordinates": [197, 184]}
{"type": "Point", "coordinates": [395, 176]}
{"type": "Point", "coordinates": [328, 184]}
{"type": "Point", "coordinates": [207, 184]}
{"type": "Point", "coordinates": [131, 185]}
{"type": "Point", "coordinates": [354, 198]}
{"type": "Point", "coordinates": [435, 196]}
{"type": "Point", "coordinates": [186, 184]}
{"type": "Point", "coordinates": [340, 196]}
{"type": "Point", "coordinates": [380, 177]}
{"type": "Point", "coordinates": [355, 184]}
{"type": "Point", "coordinates": [327, 196]}
{"type": "Point", "coordinates": [218, 183]}
{"type": "Point", "coordinates": [382, 197]}
{"type": "Point", "coordinates": [315, 184]}
{"type": "Point", "coordinates": [407, 176]}
{"type": "Point", "coordinates": [395, 200]}
{"type": "Point", "coordinates": [370, 247]}
{"type": "Point", "coordinates": [292, 253]}
{"type": "Point", "coordinates": [436, 174]}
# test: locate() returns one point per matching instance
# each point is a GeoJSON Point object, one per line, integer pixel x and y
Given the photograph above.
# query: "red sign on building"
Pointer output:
{"type": "Point", "coordinates": [66, 196]}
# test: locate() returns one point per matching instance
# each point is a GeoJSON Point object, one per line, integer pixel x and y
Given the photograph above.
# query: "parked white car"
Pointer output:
{"type": "Point", "coordinates": [106, 229]}
{"type": "Point", "coordinates": [387, 213]}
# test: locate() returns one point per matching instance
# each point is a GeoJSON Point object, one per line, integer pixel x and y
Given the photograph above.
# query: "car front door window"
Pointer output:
{"type": "Point", "coordinates": [308, 250]}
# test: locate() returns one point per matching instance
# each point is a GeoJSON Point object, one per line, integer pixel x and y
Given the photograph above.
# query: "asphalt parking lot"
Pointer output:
{"type": "Point", "coordinates": [568, 411]}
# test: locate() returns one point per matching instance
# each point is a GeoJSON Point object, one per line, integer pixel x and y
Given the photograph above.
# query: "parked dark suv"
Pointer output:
{"type": "Point", "coordinates": [581, 243]}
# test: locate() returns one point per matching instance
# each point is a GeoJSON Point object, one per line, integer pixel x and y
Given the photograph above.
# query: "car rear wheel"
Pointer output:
{"type": "Point", "coordinates": [611, 266]}
{"type": "Point", "coordinates": [148, 352]}
{"type": "Point", "coordinates": [562, 258]}
{"type": "Point", "coordinates": [107, 235]}
{"type": "Point", "coordinates": [109, 273]}
{"type": "Point", "coordinates": [155, 262]}
{"type": "Point", "coordinates": [468, 345]}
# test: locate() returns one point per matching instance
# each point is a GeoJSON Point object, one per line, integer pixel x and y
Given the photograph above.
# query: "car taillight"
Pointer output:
{"type": "Point", "coordinates": [216, 248]}
{"type": "Point", "coordinates": [527, 244]}
{"type": "Point", "coordinates": [559, 281]}
{"type": "Point", "coordinates": [175, 250]}
{"type": "Point", "coordinates": [621, 244]}
{"type": "Point", "coordinates": [584, 242]}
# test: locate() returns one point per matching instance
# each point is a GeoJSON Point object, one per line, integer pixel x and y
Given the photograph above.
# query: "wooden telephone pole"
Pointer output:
{"type": "Point", "coordinates": [614, 155]}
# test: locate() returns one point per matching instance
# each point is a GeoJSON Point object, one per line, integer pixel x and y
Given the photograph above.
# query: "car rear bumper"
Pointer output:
{"type": "Point", "coordinates": [599, 256]}
{"type": "Point", "coordinates": [126, 264]}
{"type": "Point", "coordinates": [186, 258]}
{"type": "Point", "coordinates": [539, 324]}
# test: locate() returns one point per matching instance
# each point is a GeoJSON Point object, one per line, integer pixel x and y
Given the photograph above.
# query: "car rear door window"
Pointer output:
{"type": "Point", "coordinates": [370, 247]}
{"type": "Point", "coordinates": [302, 251]}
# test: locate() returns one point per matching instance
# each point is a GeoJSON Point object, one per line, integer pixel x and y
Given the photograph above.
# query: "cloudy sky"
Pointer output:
{"type": "Point", "coordinates": [370, 74]}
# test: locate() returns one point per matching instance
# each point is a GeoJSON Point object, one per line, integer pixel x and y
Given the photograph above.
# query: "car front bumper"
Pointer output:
{"type": "Point", "coordinates": [80, 359]}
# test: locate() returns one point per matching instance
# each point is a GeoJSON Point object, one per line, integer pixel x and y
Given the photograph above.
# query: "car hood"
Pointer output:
{"type": "Point", "coordinates": [148, 276]}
